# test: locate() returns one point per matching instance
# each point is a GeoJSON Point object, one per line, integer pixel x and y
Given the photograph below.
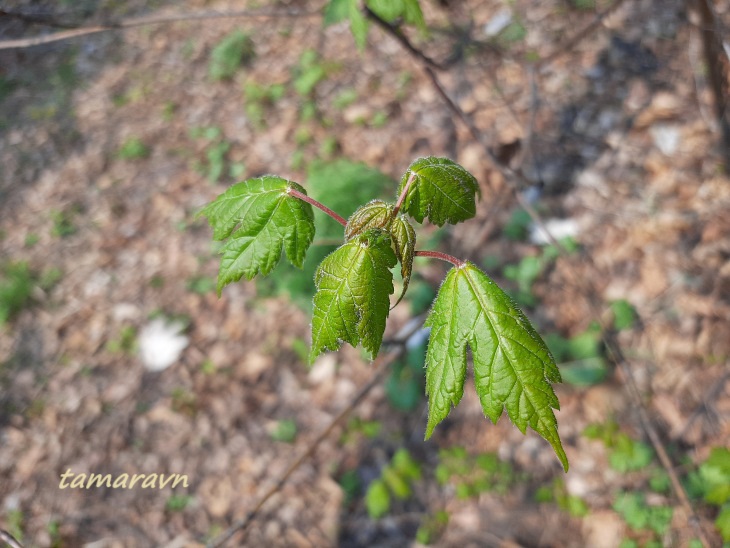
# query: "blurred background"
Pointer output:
{"type": "Point", "coordinates": [608, 120]}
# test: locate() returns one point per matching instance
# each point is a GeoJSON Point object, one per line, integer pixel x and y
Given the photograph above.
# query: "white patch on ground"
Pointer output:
{"type": "Point", "coordinates": [499, 22]}
{"type": "Point", "coordinates": [666, 138]}
{"type": "Point", "coordinates": [558, 228]}
{"type": "Point", "coordinates": [161, 343]}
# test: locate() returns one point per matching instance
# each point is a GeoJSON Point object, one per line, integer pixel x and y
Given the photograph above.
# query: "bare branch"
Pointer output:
{"type": "Point", "coordinates": [573, 41]}
{"type": "Point", "coordinates": [148, 20]}
{"type": "Point", "coordinates": [9, 539]}
{"type": "Point", "coordinates": [396, 33]}
{"type": "Point", "coordinates": [381, 368]}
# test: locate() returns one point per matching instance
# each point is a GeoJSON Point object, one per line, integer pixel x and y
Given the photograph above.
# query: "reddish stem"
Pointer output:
{"type": "Point", "coordinates": [402, 196]}
{"type": "Point", "coordinates": [443, 256]}
{"type": "Point", "coordinates": [315, 203]}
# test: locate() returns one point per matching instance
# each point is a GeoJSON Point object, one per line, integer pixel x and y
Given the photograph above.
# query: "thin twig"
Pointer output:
{"type": "Point", "coordinates": [396, 33]}
{"type": "Point", "coordinates": [381, 368]}
{"type": "Point", "coordinates": [707, 398]}
{"type": "Point", "coordinates": [9, 539]}
{"type": "Point", "coordinates": [147, 20]}
{"type": "Point", "coordinates": [573, 41]}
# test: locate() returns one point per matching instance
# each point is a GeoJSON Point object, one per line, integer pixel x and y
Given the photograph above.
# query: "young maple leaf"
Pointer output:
{"type": "Point", "coordinates": [441, 190]}
{"type": "Point", "coordinates": [354, 283]}
{"type": "Point", "coordinates": [513, 367]}
{"type": "Point", "coordinates": [259, 217]}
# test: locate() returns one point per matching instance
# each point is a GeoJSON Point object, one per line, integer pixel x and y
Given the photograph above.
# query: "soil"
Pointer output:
{"type": "Point", "coordinates": [617, 141]}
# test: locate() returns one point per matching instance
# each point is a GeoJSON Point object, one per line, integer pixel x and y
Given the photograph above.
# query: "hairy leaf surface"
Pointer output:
{"type": "Point", "coordinates": [404, 237]}
{"type": "Point", "coordinates": [379, 214]}
{"type": "Point", "coordinates": [442, 190]}
{"type": "Point", "coordinates": [353, 288]}
{"type": "Point", "coordinates": [513, 368]}
{"type": "Point", "coordinates": [374, 214]}
{"type": "Point", "coordinates": [258, 218]}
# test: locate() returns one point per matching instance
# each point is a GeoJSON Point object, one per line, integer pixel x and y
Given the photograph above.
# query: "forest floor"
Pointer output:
{"type": "Point", "coordinates": [109, 145]}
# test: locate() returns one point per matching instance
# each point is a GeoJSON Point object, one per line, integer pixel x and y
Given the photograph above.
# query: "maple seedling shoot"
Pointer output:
{"type": "Point", "coordinates": [433, 254]}
{"type": "Point", "coordinates": [264, 218]}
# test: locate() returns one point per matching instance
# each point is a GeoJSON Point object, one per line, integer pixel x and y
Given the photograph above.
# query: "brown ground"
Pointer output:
{"type": "Point", "coordinates": [624, 140]}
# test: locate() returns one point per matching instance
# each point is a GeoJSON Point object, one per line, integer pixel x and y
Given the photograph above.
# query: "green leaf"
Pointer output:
{"type": "Point", "coordinates": [259, 218]}
{"type": "Point", "coordinates": [235, 49]}
{"type": "Point", "coordinates": [374, 214]}
{"type": "Point", "coordinates": [396, 482]}
{"type": "Point", "coordinates": [358, 25]}
{"type": "Point", "coordinates": [586, 372]}
{"type": "Point", "coordinates": [377, 499]}
{"type": "Point", "coordinates": [442, 190]}
{"type": "Point", "coordinates": [353, 285]}
{"type": "Point", "coordinates": [513, 367]}
{"type": "Point", "coordinates": [715, 476]}
{"type": "Point", "coordinates": [389, 10]}
{"type": "Point", "coordinates": [723, 523]}
{"type": "Point", "coordinates": [404, 237]}
{"type": "Point", "coordinates": [413, 15]}
{"type": "Point", "coordinates": [379, 214]}
{"type": "Point", "coordinates": [624, 314]}
{"type": "Point", "coordinates": [335, 11]}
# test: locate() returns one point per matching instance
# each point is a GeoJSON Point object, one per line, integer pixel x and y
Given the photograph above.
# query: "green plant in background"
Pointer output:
{"type": "Point", "coordinates": [258, 219]}
{"type": "Point", "coordinates": [215, 152]}
{"type": "Point", "coordinates": [133, 149]}
{"type": "Point", "coordinates": [257, 98]}
{"type": "Point", "coordinates": [712, 482]}
{"type": "Point", "coordinates": [231, 52]}
{"type": "Point", "coordinates": [529, 269]}
{"type": "Point", "coordinates": [178, 503]}
{"type": "Point", "coordinates": [640, 516]}
{"type": "Point", "coordinates": [15, 518]}
{"type": "Point", "coordinates": [396, 478]}
{"type": "Point", "coordinates": [557, 493]}
{"type": "Point", "coordinates": [432, 527]}
{"type": "Point", "coordinates": [624, 315]}
{"type": "Point", "coordinates": [405, 382]}
{"type": "Point", "coordinates": [626, 454]}
{"type": "Point", "coordinates": [201, 284]}
{"type": "Point", "coordinates": [63, 222]}
{"type": "Point", "coordinates": [357, 427]}
{"type": "Point", "coordinates": [580, 358]}
{"type": "Point", "coordinates": [16, 286]}
{"type": "Point", "coordinates": [391, 11]}
{"type": "Point", "coordinates": [474, 474]}
{"type": "Point", "coordinates": [285, 430]}
{"type": "Point", "coordinates": [309, 72]}
{"type": "Point", "coordinates": [518, 226]}
{"type": "Point", "coordinates": [125, 342]}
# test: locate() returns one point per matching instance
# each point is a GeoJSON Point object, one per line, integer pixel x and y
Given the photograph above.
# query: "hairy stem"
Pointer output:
{"type": "Point", "coordinates": [443, 256]}
{"type": "Point", "coordinates": [402, 196]}
{"type": "Point", "coordinates": [315, 203]}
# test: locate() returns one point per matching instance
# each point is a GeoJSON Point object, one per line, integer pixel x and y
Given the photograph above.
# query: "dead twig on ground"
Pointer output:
{"type": "Point", "coordinates": [707, 399]}
{"type": "Point", "coordinates": [9, 539]}
{"type": "Point", "coordinates": [381, 368]}
{"type": "Point", "coordinates": [145, 20]}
